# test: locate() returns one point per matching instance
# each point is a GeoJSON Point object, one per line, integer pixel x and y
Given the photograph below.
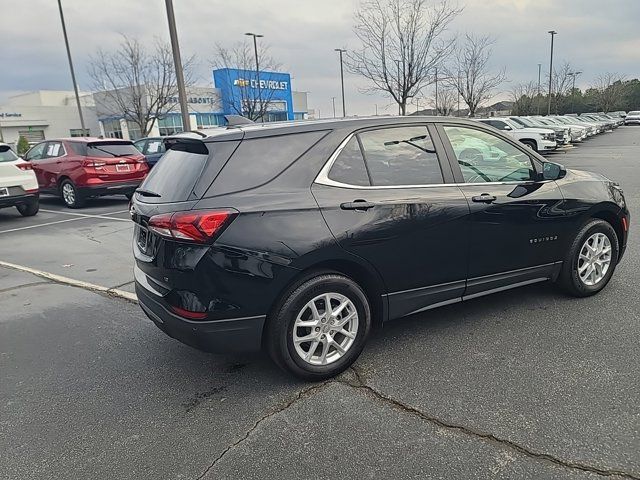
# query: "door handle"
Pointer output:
{"type": "Point", "coordinates": [484, 198]}
{"type": "Point", "coordinates": [357, 205]}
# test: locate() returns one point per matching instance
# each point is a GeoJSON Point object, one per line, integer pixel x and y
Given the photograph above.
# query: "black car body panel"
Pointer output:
{"type": "Point", "coordinates": [412, 248]}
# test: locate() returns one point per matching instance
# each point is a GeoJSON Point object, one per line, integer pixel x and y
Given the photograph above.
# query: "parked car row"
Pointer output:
{"type": "Point", "coordinates": [548, 133]}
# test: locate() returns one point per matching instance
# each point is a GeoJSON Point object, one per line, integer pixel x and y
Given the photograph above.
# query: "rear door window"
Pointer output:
{"type": "Point", "coordinates": [37, 152]}
{"type": "Point", "coordinates": [349, 166]}
{"type": "Point", "coordinates": [153, 147]}
{"type": "Point", "coordinates": [401, 156]}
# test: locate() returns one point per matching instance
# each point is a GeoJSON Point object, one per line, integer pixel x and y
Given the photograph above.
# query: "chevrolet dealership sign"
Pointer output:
{"type": "Point", "coordinates": [263, 84]}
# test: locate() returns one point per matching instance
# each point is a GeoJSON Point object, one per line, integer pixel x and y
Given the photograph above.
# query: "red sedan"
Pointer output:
{"type": "Point", "coordinates": [79, 168]}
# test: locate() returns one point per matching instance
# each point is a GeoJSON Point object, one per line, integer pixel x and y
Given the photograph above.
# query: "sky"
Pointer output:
{"type": "Point", "coordinates": [596, 36]}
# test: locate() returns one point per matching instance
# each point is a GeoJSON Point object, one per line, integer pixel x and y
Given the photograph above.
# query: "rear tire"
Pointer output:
{"type": "Point", "coordinates": [591, 260]}
{"type": "Point", "coordinates": [29, 209]}
{"type": "Point", "coordinates": [302, 313]}
{"type": "Point", "coordinates": [71, 197]}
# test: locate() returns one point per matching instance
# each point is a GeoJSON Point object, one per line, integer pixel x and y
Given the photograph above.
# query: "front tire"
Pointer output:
{"type": "Point", "coordinates": [531, 144]}
{"type": "Point", "coordinates": [319, 327]}
{"type": "Point", "coordinates": [29, 209]}
{"type": "Point", "coordinates": [591, 260]}
{"type": "Point", "coordinates": [71, 197]}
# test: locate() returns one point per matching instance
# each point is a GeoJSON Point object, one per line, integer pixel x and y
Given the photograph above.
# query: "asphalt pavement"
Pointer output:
{"type": "Point", "coordinates": [528, 383]}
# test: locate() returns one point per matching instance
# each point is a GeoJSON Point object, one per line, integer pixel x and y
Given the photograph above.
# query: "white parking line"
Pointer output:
{"type": "Point", "coordinates": [87, 215]}
{"type": "Point", "coordinates": [41, 225]}
{"type": "Point", "coordinates": [114, 292]}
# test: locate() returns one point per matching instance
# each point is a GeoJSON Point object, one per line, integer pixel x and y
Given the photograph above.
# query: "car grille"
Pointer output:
{"type": "Point", "coordinates": [559, 135]}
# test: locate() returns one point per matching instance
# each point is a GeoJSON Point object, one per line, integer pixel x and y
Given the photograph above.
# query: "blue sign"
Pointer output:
{"type": "Point", "coordinates": [241, 90]}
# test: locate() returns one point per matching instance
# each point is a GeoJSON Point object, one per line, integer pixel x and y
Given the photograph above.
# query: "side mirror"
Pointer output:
{"type": "Point", "coordinates": [553, 171]}
{"type": "Point", "coordinates": [507, 127]}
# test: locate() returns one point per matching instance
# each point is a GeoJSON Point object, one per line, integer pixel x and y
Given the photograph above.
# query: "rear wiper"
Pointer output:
{"type": "Point", "coordinates": [147, 193]}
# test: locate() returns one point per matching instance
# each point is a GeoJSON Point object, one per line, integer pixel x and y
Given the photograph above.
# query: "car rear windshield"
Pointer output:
{"type": "Point", "coordinates": [111, 149]}
{"type": "Point", "coordinates": [174, 177]}
{"type": "Point", "coordinates": [6, 154]}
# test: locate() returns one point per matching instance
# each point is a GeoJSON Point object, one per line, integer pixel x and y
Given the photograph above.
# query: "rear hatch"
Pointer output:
{"type": "Point", "coordinates": [113, 160]}
{"type": "Point", "coordinates": [16, 175]}
{"type": "Point", "coordinates": [174, 185]}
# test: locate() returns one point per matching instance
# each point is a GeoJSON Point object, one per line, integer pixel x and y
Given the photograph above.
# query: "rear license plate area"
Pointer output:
{"type": "Point", "coordinates": [143, 239]}
{"type": "Point", "coordinates": [123, 168]}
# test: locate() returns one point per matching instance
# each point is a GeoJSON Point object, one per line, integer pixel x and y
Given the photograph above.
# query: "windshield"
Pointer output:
{"type": "Point", "coordinates": [111, 149]}
{"type": "Point", "coordinates": [635, 112]}
{"type": "Point", "coordinates": [523, 121]}
{"type": "Point", "coordinates": [6, 154]}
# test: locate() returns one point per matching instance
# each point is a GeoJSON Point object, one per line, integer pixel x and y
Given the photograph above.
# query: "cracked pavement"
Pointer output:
{"type": "Point", "coordinates": [523, 384]}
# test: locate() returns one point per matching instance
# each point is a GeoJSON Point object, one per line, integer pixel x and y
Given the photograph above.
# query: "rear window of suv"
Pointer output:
{"type": "Point", "coordinates": [111, 149]}
{"type": "Point", "coordinates": [6, 154]}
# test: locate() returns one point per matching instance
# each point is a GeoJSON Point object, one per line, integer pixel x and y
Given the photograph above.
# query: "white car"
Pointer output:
{"type": "Point", "coordinates": [632, 118]}
{"type": "Point", "coordinates": [538, 139]}
{"type": "Point", "coordinates": [18, 183]}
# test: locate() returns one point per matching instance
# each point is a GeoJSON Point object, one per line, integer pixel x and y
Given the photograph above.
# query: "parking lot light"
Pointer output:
{"type": "Point", "coordinates": [553, 33]}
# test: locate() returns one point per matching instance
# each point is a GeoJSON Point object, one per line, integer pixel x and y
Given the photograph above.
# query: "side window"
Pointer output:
{"type": "Point", "coordinates": [349, 167]}
{"type": "Point", "coordinates": [140, 145]}
{"type": "Point", "coordinates": [498, 124]}
{"type": "Point", "coordinates": [154, 146]}
{"type": "Point", "coordinates": [484, 157]}
{"type": "Point", "coordinates": [401, 156]}
{"type": "Point", "coordinates": [36, 153]}
{"type": "Point", "coordinates": [54, 149]}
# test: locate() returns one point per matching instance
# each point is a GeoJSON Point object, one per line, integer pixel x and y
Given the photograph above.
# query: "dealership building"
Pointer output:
{"type": "Point", "coordinates": [53, 114]}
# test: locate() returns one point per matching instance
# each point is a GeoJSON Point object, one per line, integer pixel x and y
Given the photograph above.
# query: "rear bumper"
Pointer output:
{"type": "Point", "coordinates": [218, 336]}
{"type": "Point", "coordinates": [18, 200]}
{"type": "Point", "coordinates": [110, 188]}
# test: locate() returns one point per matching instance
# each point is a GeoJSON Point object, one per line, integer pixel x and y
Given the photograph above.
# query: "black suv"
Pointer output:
{"type": "Point", "coordinates": [301, 237]}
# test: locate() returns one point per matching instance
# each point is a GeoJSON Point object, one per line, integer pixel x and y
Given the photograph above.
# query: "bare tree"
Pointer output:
{"type": "Point", "coordinates": [609, 89]}
{"type": "Point", "coordinates": [137, 83]}
{"type": "Point", "coordinates": [524, 96]}
{"type": "Point", "coordinates": [447, 99]}
{"type": "Point", "coordinates": [252, 101]}
{"type": "Point", "coordinates": [561, 84]}
{"type": "Point", "coordinates": [471, 75]}
{"type": "Point", "coordinates": [402, 45]}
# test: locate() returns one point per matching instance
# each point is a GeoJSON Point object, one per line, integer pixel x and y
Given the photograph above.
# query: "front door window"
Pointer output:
{"type": "Point", "coordinates": [483, 157]}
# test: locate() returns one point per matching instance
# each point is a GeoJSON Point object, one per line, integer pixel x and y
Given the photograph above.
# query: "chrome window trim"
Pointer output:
{"type": "Point", "coordinates": [323, 177]}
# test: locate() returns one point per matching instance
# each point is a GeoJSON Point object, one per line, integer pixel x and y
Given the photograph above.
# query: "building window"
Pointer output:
{"type": "Point", "coordinates": [134, 130]}
{"type": "Point", "coordinates": [112, 128]}
{"type": "Point", "coordinates": [298, 116]}
{"type": "Point", "coordinates": [170, 125]}
{"type": "Point", "coordinates": [78, 132]}
{"type": "Point", "coordinates": [207, 120]}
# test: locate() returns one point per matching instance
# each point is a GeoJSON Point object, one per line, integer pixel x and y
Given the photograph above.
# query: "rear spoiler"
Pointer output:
{"type": "Point", "coordinates": [186, 144]}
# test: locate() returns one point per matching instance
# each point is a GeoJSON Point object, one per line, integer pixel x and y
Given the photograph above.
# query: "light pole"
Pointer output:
{"type": "Point", "coordinates": [341, 51]}
{"type": "Point", "coordinates": [398, 70]}
{"type": "Point", "coordinates": [255, 51]}
{"type": "Point", "coordinates": [553, 34]}
{"type": "Point", "coordinates": [333, 101]}
{"type": "Point", "coordinates": [539, 72]}
{"type": "Point", "coordinates": [573, 87]}
{"type": "Point", "coordinates": [73, 75]}
{"type": "Point", "coordinates": [459, 86]}
{"type": "Point", "coordinates": [177, 65]}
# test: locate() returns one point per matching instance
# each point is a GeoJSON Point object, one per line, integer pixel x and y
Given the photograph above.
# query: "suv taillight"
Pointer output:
{"type": "Point", "coordinates": [25, 166]}
{"type": "Point", "coordinates": [199, 226]}
{"type": "Point", "coordinates": [90, 162]}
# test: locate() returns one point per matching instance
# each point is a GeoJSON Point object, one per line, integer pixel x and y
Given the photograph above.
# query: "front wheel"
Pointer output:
{"type": "Point", "coordinates": [530, 144]}
{"type": "Point", "coordinates": [29, 209]}
{"type": "Point", "coordinates": [591, 260]}
{"type": "Point", "coordinates": [320, 327]}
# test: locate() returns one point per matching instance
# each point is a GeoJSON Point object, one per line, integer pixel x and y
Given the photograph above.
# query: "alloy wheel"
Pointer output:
{"type": "Point", "coordinates": [325, 329]}
{"type": "Point", "coordinates": [594, 259]}
{"type": "Point", "coordinates": [68, 194]}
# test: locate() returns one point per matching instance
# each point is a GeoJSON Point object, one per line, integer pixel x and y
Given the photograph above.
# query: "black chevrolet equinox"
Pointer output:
{"type": "Point", "coordinates": [301, 237]}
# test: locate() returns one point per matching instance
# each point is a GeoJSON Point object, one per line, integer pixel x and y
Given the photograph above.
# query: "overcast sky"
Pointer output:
{"type": "Point", "coordinates": [596, 36]}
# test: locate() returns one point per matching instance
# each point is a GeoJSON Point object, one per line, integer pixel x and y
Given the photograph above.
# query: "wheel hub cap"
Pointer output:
{"type": "Point", "coordinates": [325, 329]}
{"type": "Point", "coordinates": [594, 259]}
